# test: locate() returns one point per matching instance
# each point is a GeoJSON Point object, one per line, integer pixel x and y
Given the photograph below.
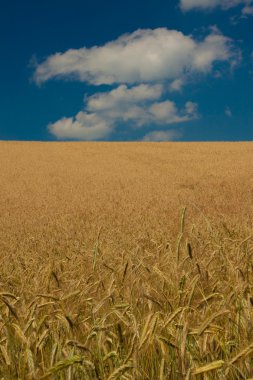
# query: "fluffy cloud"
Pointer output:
{"type": "Point", "coordinates": [166, 112]}
{"type": "Point", "coordinates": [122, 95]}
{"type": "Point", "coordinates": [146, 55]}
{"type": "Point", "coordinates": [138, 106]}
{"type": "Point", "coordinates": [177, 84]}
{"type": "Point", "coordinates": [187, 5]}
{"type": "Point", "coordinates": [144, 65]}
{"type": "Point", "coordinates": [83, 127]}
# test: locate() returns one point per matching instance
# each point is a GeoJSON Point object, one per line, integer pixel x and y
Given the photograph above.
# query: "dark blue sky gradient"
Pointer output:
{"type": "Point", "coordinates": [32, 30]}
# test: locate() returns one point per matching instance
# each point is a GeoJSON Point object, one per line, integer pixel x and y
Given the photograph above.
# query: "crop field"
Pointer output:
{"type": "Point", "coordinates": [126, 261]}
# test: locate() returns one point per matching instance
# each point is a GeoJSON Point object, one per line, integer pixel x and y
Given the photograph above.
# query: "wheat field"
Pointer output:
{"type": "Point", "coordinates": [126, 261]}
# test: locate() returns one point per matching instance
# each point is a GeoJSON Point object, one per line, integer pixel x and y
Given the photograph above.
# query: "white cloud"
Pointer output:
{"type": "Point", "coordinates": [138, 106]}
{"type": "Point", "coordinates": [146, 55]}
{"type": "Point", "coordinates": [177, 84]}
{"type": "Point", "coordinates": [166, 112]}
{"type": "Point", "coordinates": [169, 135]}
{"type": "Point", "coordinates": [247, 10]}
{"type": "Point", "coordinates": [187, 5]}
{"type": "Point", "coordinates": [122, 95]}
{"type": "Point", "coordinates": [145, 65]}
{"type": "Point", "coordinates": [83, 127]}
{"type": "Point", "coordinates": [210, 50]}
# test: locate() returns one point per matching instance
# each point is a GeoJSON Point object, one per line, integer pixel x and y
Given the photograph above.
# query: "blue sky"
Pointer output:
{"type": "Point", "coordinates": [153, 70]}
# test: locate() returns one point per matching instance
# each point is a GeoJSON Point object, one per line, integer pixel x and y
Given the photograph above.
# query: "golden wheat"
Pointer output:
{"type": "Point", "coordinates": [126, 261]}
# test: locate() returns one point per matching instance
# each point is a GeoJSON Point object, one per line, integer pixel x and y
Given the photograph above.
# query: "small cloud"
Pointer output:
{"type": "Point", "coordinates": [207, 5]}
{"type": "Point", "coordinates": [84, 126]}
{"type": "Point", "coordinates": [138, 106]}
{"type": "Point", "coordinates": [176, 85]}
{"type": "Point", "coordinates": [166, 112]}
{"type": "Point", "coordinates": [187, 5]}
{"type": "Point", "coordinates": [228, 112]}
{"type": "Point", "coordinates": [122, 95]}
{"type": "Point", "coordinates": [159, 136]}
{"type": "Point", "coordinates": [192, 109]}
{"type": "Point", "coordinates": [247, 10]}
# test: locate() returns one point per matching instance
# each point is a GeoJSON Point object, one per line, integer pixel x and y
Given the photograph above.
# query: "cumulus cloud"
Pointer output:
{"type": "Point", "coordinates": [177, 84]}
{"type": "Point", "coordinates": [138, 106]}
{"type": "Point", "coordinates": [187, 5]}
{"type": "Point", "coordinates": [122, 95]}
{"type": "Point", "coordinates": [146, 55]}
{"type": "Point", "coordinates": [141, 67]}
{"type": "Point", "coordinates": [166, 112]}
{"type": "Point", "coordinates": [169, 135]}
{"type": "Point", "coordinates": [83, 127]}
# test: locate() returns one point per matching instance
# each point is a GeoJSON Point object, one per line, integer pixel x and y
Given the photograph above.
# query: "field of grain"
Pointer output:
{"type": "Point", "coordinates": [126, 261]}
